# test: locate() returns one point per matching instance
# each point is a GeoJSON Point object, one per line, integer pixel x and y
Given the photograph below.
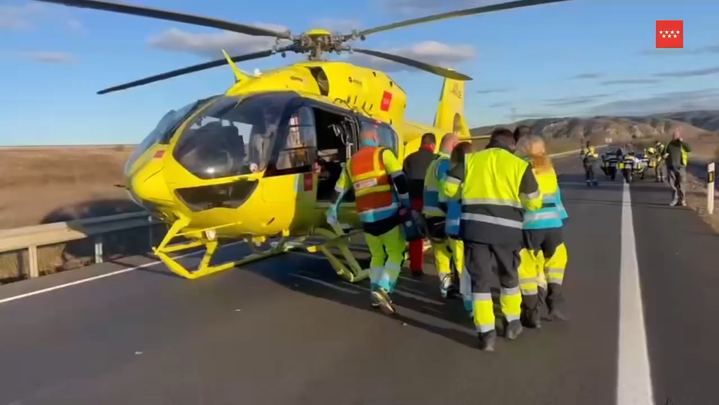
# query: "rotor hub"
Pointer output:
{"type": "Point", "coordinates": [316, 42]}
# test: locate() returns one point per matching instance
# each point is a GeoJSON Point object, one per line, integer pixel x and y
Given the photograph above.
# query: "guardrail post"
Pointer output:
{"type": "Point", "coordinates": [710, 188]}
{"type": "Point", "coordinates": [32, 262]}
{"type": "Point", "coordinates": [98, 249]}
{"type": "Point", "coordinates": [150, 235]}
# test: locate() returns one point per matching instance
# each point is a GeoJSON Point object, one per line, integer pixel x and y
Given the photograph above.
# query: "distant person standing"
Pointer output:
{"type": "Point", "coordinates": [659, 171]}
{"type": "Point", "coordinates": [676, 157]}
{"type": "Point", "coordinates": [415, 168]}
{"type": "Point", "coordinates": [589, 158]}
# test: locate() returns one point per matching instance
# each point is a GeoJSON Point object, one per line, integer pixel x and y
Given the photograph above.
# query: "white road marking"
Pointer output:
{"type": "Point", "coordinates": [86, 280]}
{"type": "Point", "coordinates": [634, 381]}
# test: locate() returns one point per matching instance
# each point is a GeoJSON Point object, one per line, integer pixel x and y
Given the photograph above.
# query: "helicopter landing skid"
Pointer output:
{"type": "Point", "coordinates": [349, 269]}
{"type": "Point", "coordinates": [336, 239]}
{"type": "Point", "coordinates": [199, 238]}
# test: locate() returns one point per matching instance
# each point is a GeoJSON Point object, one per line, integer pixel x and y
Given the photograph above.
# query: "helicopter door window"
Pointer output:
{"type": "Point", "coordinates": [300, 146]}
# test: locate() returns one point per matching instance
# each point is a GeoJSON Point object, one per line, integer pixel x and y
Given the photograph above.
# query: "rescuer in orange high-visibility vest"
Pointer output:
{"type": "Point", "coordinates": [381, 197]}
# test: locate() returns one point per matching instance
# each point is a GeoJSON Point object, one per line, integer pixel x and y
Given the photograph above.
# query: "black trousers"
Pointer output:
{"type": "Point", "coordinates": [543, 240]}
{"type": "Point", "coordinates": [481, 259]}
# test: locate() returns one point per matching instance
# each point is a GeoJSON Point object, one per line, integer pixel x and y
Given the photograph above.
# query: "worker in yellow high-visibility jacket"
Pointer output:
{"type": "Point", "coordinates": [435, 212]}
{"type": "Point", "coordinates": [496, 188]}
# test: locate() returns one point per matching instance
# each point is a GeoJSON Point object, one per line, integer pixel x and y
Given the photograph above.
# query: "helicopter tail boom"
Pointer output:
{"type": "Point", "coordinates": [450, 111]}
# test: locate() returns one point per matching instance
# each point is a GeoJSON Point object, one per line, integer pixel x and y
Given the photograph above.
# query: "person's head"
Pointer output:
{"type": "Point", "coordinates": [589, 143]}
{"type": "Point", "coordinates": [449, 141]}
{"type": "Point", "coordinates": [459, 151]}
{"type": "Point", "coordinates": [677, 133]}
{"type": "Point", "coordinates": [369, 134]}
{"type": "Point", "coordinates": [535, 150]}
{"type": "Point", "coordinates": [520, 132]}
{"type": "Point", "coordinates": [502, 137]}
{"type": "Point", "coordinates": [429, 141]}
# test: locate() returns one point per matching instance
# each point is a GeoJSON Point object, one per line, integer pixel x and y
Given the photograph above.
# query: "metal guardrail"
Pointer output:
{"type": "Point", "coordinates": [32, 237]}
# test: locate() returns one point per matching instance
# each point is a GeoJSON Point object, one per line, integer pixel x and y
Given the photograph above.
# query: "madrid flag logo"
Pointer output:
{"type": "Point", "coordinates": [670, 34]}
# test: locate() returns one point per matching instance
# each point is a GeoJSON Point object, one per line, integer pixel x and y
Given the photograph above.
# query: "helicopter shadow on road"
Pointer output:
{"type": "Point", "coordinates": [417, 301]}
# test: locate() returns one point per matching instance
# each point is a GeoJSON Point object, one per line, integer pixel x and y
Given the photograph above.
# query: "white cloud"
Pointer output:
{"type": "Point", "coordinates": [344, 26]}
{"type": "Point", "coordinates": [48, 57]}
{"type": "Point", "coordinates": [30, 15]}
{"type": "Point", "coordinates": [210, 45]}
{"type": "Point", "coordinates": [432, 52]}
{"type": "Point", "coordinates": [20, 17]}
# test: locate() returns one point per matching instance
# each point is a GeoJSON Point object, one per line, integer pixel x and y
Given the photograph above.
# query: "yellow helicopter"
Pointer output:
{"type": "Point", "coordinates": [260, 161]}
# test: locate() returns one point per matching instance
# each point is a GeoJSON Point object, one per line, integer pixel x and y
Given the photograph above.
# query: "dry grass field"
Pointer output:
{"type": "Point", "coordinates": [50, 184]}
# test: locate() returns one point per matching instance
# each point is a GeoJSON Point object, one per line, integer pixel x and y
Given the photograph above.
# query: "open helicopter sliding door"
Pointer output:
{"type": "Point", "coordinates": [337, 139]}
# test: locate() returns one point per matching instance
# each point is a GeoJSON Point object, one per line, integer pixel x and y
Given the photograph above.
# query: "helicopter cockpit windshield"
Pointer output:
{"type": "Point", "coordinates": [163, 131]}
{"type": "Point", "coordinates": [234, 136]}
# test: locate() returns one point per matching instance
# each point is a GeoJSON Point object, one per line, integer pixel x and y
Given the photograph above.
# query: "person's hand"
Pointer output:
{"type": "Point", "coordinates": [332, 216]}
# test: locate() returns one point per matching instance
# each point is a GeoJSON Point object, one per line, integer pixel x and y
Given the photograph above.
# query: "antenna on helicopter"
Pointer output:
{"type": "Point", "coordinates": [239, 76]}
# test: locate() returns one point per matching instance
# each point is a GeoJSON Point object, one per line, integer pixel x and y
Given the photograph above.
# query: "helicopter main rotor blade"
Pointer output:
{"type": "Point", "coordinates": [187, 70]}
{"type": "Point", "coordinates": [440, 71]}
{"type": "Point", "coordinates": [171, 16]}
{"type": "Point", "coordinates": [459, 13]}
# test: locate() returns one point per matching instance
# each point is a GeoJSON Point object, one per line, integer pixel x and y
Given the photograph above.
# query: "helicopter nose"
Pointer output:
{"type": "Point", "coordinates": [148, 188]}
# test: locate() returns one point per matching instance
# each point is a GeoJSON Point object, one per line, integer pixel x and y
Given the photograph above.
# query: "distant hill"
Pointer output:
{"type": "Point", "coordinates": [693, 124]}
{"type": "Point", "coordinates": [707, 120]}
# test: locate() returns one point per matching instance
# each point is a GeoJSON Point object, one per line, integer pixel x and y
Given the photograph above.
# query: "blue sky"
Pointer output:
{"type": "Point", "coordinates": [574, 58]}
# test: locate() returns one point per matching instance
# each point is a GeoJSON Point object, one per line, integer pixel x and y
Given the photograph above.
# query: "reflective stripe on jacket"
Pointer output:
{"type": "Point", "coordinates": [496, 187]}
{"type": "Point", "coordinates": [435, 205]}
{"type": "Point", "coordinates": [552, 212]}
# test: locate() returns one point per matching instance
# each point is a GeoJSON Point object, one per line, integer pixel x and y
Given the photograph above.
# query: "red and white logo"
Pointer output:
{"type": "Point", "coordinates": [386, 101]}
{"type": "Point", "coordinates": [670, 34]}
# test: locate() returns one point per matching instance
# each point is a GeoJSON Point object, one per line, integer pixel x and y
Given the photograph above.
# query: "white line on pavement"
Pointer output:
{"type": "Point", "coordinates": [634, 381]}
{"type": "Point", "coordinates": [114, 273]}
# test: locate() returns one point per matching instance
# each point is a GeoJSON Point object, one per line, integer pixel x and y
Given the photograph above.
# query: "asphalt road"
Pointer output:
{"type": "Point", "coordinates": [287, 331]}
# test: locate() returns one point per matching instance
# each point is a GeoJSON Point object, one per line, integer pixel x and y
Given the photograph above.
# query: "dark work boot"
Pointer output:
{"type": "Point", "coordinates": [555, 303]}
{"type": "Point", "coordinates": [530, 311]}
{"type": "Point", "coordinates": [487, 340]}
{"type": "Point", "coordinates": [514, 329]}
{"type": "Point", "coordinates": [383, 301]}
